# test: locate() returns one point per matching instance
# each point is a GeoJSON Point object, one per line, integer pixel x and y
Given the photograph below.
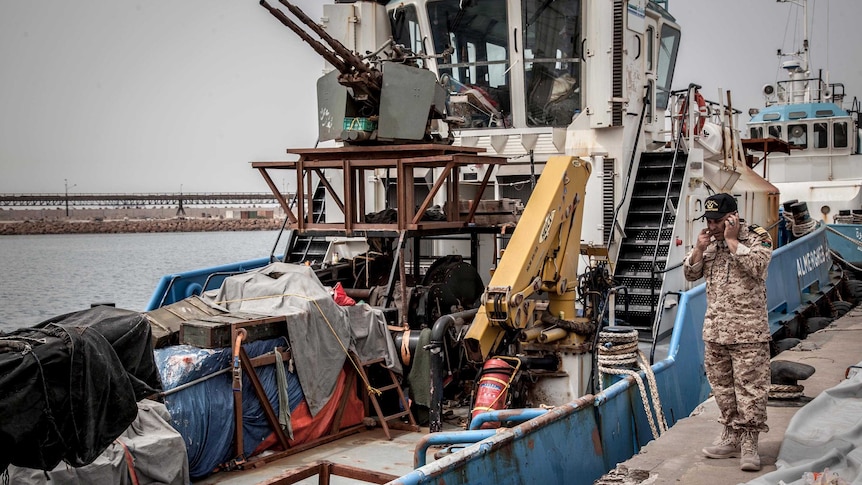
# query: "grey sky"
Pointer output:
{"type": "Point", "coordinates": [152, 96]}
{"type": "Point", "coordinates": [732, 44]}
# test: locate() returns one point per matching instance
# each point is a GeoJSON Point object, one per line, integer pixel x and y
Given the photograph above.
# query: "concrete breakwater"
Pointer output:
{"type": "Point", "coordinates": [109, 226]}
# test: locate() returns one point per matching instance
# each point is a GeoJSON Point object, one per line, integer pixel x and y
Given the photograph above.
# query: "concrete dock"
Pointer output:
{"type": "Point", "coordinates": [676, 456]}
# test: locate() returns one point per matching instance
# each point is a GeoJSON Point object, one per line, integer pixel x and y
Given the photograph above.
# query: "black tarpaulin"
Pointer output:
{"type": "Point", "coordinates": [69, 386]}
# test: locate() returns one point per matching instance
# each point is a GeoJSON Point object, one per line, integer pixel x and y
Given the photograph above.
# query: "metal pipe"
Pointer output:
{"type": "Point", "coordinates": [506, 415]}
{"type": "Point", "coordinates": [436, 347]}
{"type": "Point", "coordinates": [531, 333]}
{"type": "Point", "coordinates": [240, 335]}
{"type": "Point", "coordinates": [453, 438]}
{"type": "Point", "coordinates": [552, 335]}
{"type": "Point", "coordinates": [547, 362]}
{"type": "Point", "coordinates": [358, 293]}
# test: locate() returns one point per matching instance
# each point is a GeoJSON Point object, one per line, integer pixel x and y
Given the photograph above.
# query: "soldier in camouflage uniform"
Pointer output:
{"type": "Point", "coordinates": [733, 259]}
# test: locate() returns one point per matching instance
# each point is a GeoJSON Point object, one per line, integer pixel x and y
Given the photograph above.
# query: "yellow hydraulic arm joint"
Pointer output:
{"type": "Point", "coordinates": [542, 255]}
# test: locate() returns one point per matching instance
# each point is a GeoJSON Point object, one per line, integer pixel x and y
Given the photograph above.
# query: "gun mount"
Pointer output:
{"type": "Point", "coordinates": [381, 97]}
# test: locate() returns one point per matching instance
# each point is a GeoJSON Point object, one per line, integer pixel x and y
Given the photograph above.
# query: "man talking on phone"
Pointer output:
{"type": "Point", "coordinates": [733, 259]}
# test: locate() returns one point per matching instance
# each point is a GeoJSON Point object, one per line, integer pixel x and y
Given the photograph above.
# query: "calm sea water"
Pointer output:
{"type": "Point", "coordinates": [45, 276]}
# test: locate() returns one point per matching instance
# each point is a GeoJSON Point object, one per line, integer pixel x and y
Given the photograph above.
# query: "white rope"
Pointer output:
{"type": "Point", "coordinates": [618, 354]}
{"type": "Point", "coordinates": [800, 229]}
{"type": "Point", "coordinates": [785, 391]}
{"type": "Point", "coordinates": [839, 258]}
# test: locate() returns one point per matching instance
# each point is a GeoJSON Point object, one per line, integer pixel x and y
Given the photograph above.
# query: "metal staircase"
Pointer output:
{"type": "Point", "coordinates": [310, 248]}
{"type": "Point", "coordinates": [648, 233]}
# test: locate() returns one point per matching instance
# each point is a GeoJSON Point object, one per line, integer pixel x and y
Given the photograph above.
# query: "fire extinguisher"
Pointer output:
{"type": "Point", "coordinates": [493, 387]}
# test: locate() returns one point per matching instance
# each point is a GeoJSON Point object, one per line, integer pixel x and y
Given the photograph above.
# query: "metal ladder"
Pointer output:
{"type": "Point", "coordinates": [649, 226]}
{"type": "Point", "coordinates": [311, 248]}
{"type": "Point", "coordinates": [372, 398]}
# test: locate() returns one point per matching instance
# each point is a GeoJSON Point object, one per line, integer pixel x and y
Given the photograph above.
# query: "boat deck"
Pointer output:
{"type": "Point", "coordinates": [367, 450]}
{"type": "Point", "coordinates": [364, 450]}
{"type": "Point", "coordinates": [676, 457]}
{"type": "Point", "coordinates": [672, 459]}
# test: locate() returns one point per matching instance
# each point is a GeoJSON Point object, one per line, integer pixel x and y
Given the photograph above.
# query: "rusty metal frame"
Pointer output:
{"type": "Point", "coordinates": [325, 469]}
{"type": "Point", "coordinates": [248, 367]}
{"type": "Point", "coordinates": [354, 161]}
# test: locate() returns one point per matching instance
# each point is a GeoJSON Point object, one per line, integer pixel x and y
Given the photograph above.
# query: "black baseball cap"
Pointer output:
{"type": "Point", "coordinates": [718, 206]}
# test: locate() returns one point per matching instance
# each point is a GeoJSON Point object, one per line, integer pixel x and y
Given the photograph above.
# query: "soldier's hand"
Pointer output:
{"type": "Point", "coordinates": [731, 226]}
{"type": "Point", "coordinates": [703, 240]}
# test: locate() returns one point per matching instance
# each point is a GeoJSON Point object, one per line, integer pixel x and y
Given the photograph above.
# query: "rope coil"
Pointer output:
{"type": "Point", "coordinates": [785, 391]}
{"type": "Point", "coordinates": [618, 354]}
{"type": "Point", "coordinates": [801, 229]}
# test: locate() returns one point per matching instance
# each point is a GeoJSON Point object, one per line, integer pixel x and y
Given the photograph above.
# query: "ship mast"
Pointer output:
{"type": "Point", "coordinates": [798, 66]}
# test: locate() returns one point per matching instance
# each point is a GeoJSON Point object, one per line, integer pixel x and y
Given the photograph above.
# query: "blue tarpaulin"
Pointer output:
{"type": "Point", "coordinates": [203, 413]}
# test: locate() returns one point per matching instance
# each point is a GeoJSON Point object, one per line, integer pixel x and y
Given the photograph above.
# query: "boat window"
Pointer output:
{"type": "Point", "coordinates": [772, 116]}
{"type": "Point", "coordinates": [477, 70]}
{"type": "Point", "coordinates": [667, 50]}
{"type": "Point", "coordinates": [821, 135]}
{"type": "Point", "coordinates": [757, 132]}
{"type": "Point", "coordinates": [797, 135]}
{"type": "Point", "coordinates": [839, 135]}
{"type": "Point", "coordinates": [797, 115]}
{"type": "Point", "coordinates": [552, 32]}
{"type": "Point", "coordinates": [775, 131]}
{"type": "Point", "coordinates": [824, 113]}
{"type": "Point", "coordinates": [405, 30]}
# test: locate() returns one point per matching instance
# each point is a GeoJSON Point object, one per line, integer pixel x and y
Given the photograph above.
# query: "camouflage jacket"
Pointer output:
{"type": "Point", "coordinates": [735, 287]}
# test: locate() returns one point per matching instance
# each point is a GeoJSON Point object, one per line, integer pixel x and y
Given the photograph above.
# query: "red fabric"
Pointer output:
{"type": "Point", "coordinates": [341, 297]}
{"type": "Point", "coordinates": [306, 428]}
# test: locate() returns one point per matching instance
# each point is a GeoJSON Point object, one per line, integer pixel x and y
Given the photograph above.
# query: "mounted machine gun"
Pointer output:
{"type": "Point", "coordinates": [382, 97]}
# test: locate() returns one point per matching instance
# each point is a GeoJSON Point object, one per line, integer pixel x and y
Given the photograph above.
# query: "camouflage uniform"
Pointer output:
{"type": "Point", "coordinates": [735, 328]}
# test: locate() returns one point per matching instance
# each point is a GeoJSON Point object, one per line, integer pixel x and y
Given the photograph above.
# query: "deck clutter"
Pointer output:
{"type": "Point", "coordinates": [274, 356]}
{"type": "Point", "coordinates": [74, 385]}
{"type": "Point", "coordinates": [320, 345]}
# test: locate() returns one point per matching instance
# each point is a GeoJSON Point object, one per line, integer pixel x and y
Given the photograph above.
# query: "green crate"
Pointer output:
{"type": "Point", "coordinates": [359, 124]}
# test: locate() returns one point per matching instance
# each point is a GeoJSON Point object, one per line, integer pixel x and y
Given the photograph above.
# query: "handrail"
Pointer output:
{"type": "Point", "coordinates": [655, 326]}
{"type": "Point", "coordinates": [664, 208]}
{"type": "Point", "coordinates": [629, 174]}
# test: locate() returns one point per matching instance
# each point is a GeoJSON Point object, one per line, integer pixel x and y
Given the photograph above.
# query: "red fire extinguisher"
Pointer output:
{"type": "Point", "coordinates": [493, 388]}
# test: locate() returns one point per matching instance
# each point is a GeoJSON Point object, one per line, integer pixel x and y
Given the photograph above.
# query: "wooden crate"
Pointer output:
{"type": "Point", "coordinates": [492, 212]}
{"type": "Point", "coordinates": [214, 332]}
{"type": "Point", "coordinates": [167, 320]}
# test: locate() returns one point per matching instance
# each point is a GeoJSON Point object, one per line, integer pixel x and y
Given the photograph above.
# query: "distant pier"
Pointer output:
{"type": "Point", "coordinates": [152, 212]}
{"type": "Point", "coordinates": [138, 200]}
{"type": "Point", "coordinates": [30, 227]}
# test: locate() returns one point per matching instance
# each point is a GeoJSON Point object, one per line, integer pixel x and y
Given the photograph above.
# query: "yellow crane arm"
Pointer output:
{"type": "Point", "coordinates": [542, 255]}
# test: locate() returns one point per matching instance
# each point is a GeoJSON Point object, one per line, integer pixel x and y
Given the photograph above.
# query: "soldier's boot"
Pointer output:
{"type": "Point", "coordinates": [750, 460]}
{"type": "Point", "coordinates": [725, 446]}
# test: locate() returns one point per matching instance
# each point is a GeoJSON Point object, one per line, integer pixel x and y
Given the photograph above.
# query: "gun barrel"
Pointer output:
{"type": "Point", "coordinates": [339, 48]}
{"type": "Point", "coordinates": [328, 55]}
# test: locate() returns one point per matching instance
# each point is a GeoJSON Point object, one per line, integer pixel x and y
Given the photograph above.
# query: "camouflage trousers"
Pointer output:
{"type": "Point", "coordinates": [739, 376]}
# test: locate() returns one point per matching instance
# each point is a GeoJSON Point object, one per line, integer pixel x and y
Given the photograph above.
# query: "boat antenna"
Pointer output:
{"type": "Point", "coordinates": [798, 66]}
{"type": "Point", "coordinates": [827, 42]}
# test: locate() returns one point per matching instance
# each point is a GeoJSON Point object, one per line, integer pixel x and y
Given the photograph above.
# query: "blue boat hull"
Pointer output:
{"type": "Point", "coordinates": [846, 240]}
{"type": "Point", "coordinates": [176, 287]}
{"type": "Point", "coordinates": [579, 442]}
{"type": "Point", "coordinates": [582, 440]}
